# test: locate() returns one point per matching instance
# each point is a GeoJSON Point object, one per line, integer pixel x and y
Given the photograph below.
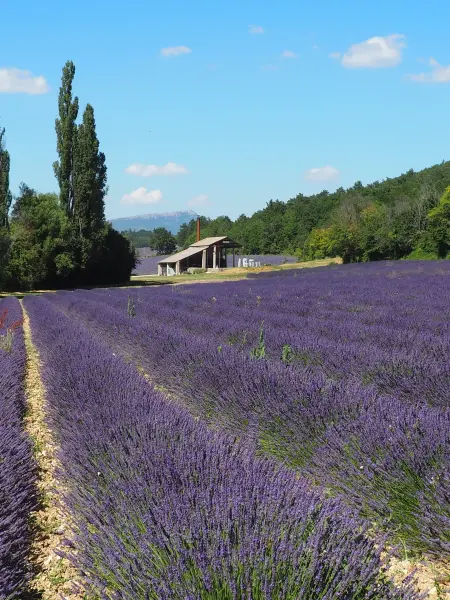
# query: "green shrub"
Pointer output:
{"type": "Point", "coordinates": [419, 254]}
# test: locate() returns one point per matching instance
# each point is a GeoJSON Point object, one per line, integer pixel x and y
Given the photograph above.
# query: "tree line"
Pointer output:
{"type": "Point", "coordinates": [402, 217]}
{"type": "Point", "coordinates": [50, 240]}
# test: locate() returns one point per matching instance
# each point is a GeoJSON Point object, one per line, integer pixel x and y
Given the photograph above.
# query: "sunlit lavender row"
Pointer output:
{"type": "Point", "coordinates": [340, 371]}
{"type": "Point", "coordinates": [166, 508]}
{"type": "Point", "coordinates": [17, 472]}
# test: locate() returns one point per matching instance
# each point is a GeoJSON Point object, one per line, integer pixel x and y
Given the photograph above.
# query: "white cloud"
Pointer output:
{"type": "Point", "coordinates": [289, 54]}
{"type": "Point", "coordinates": [170, 168]}
{"type": "Point", "coordinates": [175, 51]}
{"type": "Point", "coordinates": [315, 47]}
{"type": "Point", "coordinates": [335, 55]}
{"type": "Point", "coordinates": [438, 74]}
{"type": "Point", "coordinates": [376, 52]}
{"type": "Point", "coordinates": [255, 29]}
{"type": "Point", "coordinates": [201, 200]}
{"type": "Point", "coordinates": [142, 196]}
{"type": "Point", "coordinates": [17, 81]}
{"type": "Point", "coordinates": [322, 174]}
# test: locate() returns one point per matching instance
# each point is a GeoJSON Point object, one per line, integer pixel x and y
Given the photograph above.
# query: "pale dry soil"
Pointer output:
{"type": "Point", "coordinates": [432, 578]}
{"type": "Point", "coordinates": [55, 577]}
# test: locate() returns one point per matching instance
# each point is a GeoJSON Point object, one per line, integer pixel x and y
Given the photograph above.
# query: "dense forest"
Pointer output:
{"type": "Point", "coordinates": [406, 216]}
{"type": "Point", "coordinates": [50, 240]}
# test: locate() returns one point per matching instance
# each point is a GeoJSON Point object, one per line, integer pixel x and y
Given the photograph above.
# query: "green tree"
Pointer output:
{"type": "Point", "coordinates": [162, 241]}
{"type": "Point", "coordinates": [5, 244]}
{"type": "Point", "coordinates": [439, 225]}
{"type": "Point", "coordinates": [320, 244]}
{"type": "Point", "coordinates": [89, 178]}
{"type": "Point", "coordinates": [5, 202]}
{"type": "Point", "coordinates": [113, 260]}
{"type": "Point", "coordinates": [40, 255]}
{"type": "Point", "coordinates": [89, 187]}
{"type": "Point", "coordinates": [187, 234]}
{"type": "Point", "coordinates": [184, 232]}
{"type": "Point", "coordinates": [345, 224]}
{"type": "Point", "coordinates": [81, 173]}
{"type": "Point", "coordinates": [66, 131]}
{"type": "Point", "coordinates": [5, 194]}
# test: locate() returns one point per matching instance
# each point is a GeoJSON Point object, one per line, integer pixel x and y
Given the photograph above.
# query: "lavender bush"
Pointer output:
{"type": "Point", "coordinates": [166, 508]}
{"type": "Point", "coordinates": [352, 387]}
{"type": "Point", "coordinates": [17, 471]}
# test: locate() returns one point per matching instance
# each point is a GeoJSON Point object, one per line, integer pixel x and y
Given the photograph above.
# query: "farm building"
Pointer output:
{"type": "Point", "coordinates": [210, 253]}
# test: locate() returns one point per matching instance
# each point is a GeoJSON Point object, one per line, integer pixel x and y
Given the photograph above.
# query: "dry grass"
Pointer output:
{"type": "Point", "coordinates": [55, 577]}
{"type": "Point", "coordinates": [229, 274]}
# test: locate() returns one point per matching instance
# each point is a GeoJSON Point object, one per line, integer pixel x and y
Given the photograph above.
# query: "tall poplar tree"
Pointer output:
{"type": "Point", "coordinates": [66, 131]}
{"type": "Point", "coordinates": [5, 194]}
{"type": "Point", "coordinates": [89, 179]}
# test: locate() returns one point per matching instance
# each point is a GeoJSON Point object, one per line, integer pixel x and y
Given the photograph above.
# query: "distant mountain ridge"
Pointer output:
{"type": "Point", "coordinates": [170, 220]}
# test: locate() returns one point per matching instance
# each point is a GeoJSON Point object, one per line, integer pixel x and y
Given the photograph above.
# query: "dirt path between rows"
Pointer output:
{"type": "Point", "coordinates": [55, 576]}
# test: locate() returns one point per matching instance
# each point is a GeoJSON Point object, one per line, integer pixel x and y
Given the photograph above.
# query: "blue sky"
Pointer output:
{"type": "Point", "coordinates": [196, 100]}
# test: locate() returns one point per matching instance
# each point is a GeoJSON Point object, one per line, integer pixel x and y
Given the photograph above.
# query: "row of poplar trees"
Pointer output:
{"type": "Point", "coordinates": [63, 240]}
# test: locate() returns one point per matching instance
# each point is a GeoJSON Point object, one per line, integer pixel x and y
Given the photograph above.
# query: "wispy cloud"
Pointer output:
{"type": "Point", "coordinates": [376, 52]}
{"type": "Point", "coordinates": [170, 168]}
{"type": "Point", "coordinates": [142, 196]}
{"type": "Point", "coordinates": [289, 54]}
{"type": "Point", "coordinates": [201, 200]}
{"type": "Point", "coordinates": [326, 173]}
{"type": "Point", "coordinates": [255, 29]}
{"type": "Point", "coordinates": [17, 81]}
{"type": "Point", "coordinates": [335, 55]}
{"type": "Point", "coordinates": [175, 51]}
{"type": "Point", "coordinates": [437, 74]}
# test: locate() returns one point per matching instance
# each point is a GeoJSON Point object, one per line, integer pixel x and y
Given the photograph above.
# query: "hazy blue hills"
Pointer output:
{"type": "Point", "coordinates": [170, 220]}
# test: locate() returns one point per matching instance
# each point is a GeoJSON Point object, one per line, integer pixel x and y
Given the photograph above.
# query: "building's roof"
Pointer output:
{"type": "Point", "coordinates": [180, 255]}
{"type": "Point", "coordinates": [199, 247]}
{"type": "Point", "coordinates": [208, 241]}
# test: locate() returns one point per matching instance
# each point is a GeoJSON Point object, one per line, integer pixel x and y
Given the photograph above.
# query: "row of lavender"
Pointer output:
{"type": "Point", "coordinates": [165, 508]}
{"type": "Point", "coordinates": [394, 336]}
{"type": "Point", "coordinates": [389, 454]}
{"type": "Point", "coordinates": [17, 471]}
{"type": "Point", "coordinates": [148, 265]}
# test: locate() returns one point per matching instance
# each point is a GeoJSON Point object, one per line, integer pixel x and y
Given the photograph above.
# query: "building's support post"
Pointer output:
{"type": "Point", "coordinates": [159, 270]}
{"type": "Point", "coordinates": [204, 259]}
{"type": "Point", "coordinates": [214, 257]}
{"type": "Point", "coordinates": [234, 257]}
{"type": "Point", "coordinates": [177, 268]}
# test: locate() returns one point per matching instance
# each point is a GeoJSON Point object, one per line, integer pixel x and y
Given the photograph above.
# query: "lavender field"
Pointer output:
{"type": "Point", "coordinates": [148, 265]}
{"type": "Point", "coordinates": [280, 437]}
{"type": "Point", "coordinates": [17, 469]}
